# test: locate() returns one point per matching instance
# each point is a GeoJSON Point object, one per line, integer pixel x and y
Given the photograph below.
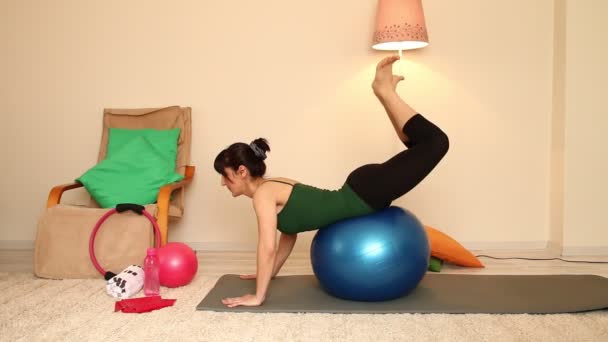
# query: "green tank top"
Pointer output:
{"type": "Point", "coordinates": [310, 208]}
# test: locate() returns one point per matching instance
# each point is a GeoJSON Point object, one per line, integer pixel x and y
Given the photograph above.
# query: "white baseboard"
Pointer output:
{"type": "Point", "coordinates": [507, 245]}
{"type": "Point", "coordinates": [473, 246]}
{"type": "Point", "coordinates": [480, 245]}
{"type": "Point", "coordinates": [585, 250]}
{"type": "Point", "coordinates": [222, 246]}
{"type": "Point", "coordinates": [554, 248]}
{"type": "Point", "coordinates": [199, 246]}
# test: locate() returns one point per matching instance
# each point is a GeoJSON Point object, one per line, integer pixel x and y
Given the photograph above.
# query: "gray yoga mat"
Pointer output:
{"type": "Point", "coordinates": [436, 293]}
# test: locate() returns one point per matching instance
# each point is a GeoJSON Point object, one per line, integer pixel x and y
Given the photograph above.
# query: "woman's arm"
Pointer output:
{"type": "Point", "coordinates": [286, 243]}
{"type": "Point", "coordinates": [265, 209]}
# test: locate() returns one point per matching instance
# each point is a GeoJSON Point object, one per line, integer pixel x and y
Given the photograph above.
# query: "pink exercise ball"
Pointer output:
{"type": "Point", "coordinates": [178, 264]}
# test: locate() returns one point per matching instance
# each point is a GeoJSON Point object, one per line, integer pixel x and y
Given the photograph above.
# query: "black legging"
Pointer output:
{"type": "Point", "coordinates": [380, 184]}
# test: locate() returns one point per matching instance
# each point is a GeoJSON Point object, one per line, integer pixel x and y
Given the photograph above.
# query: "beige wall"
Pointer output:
{"type": "Point", "coordinates": [487, 80]}
{"type": "Point", "coordinates": [586, 164]}
{"type": "Point", "coordinates": [558, 122]}
{"type": "Point", "coordinates": [297, 73]}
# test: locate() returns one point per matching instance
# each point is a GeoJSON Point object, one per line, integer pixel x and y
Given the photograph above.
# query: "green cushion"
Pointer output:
{"type": "Point", "coordinates": [165, 141]}
{"type": "Point", "coordinates": [132, 174]}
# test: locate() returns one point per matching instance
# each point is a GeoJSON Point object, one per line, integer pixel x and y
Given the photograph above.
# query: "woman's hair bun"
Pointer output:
{"type": "Point", "coordinates": [260, 147]}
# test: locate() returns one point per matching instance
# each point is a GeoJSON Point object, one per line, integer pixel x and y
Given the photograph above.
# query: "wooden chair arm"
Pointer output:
{"type": "Point", "coordinates": [165, 191]}
{"type": "Point", "coordinates": [57, 191]}
{"type": "Point", "coordinates": [164, 198]}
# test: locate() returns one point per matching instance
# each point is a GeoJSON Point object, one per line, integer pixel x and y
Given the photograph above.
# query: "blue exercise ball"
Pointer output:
{"type": "Point", "coordinates": [375, 257]}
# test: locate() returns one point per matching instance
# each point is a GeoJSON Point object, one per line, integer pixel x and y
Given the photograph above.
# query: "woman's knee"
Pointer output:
{"type": "Point", "coordinates": [441, 144]}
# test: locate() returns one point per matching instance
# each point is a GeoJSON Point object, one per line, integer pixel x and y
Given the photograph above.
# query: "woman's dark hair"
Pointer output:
{"type": "Point", "coordinates": [251, 156]}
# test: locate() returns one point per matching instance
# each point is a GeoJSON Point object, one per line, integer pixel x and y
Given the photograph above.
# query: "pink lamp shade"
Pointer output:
{"type": "Point", "coordinates": [400, 25]}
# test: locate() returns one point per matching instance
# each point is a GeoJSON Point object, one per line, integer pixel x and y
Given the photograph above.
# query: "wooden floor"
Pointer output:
{"type": "Point", "coordinates": [218, 263]}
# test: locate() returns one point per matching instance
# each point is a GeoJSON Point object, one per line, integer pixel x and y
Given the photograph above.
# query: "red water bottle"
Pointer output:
{"type": "Point", "coordinates": [151, 273]}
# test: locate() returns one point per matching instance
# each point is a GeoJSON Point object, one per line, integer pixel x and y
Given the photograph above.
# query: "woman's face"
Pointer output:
{"type": "Point", "coordinates": [234, 180]}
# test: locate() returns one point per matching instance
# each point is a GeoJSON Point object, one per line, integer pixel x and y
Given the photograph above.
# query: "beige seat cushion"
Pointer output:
{"type": "Point", "coordinates": [62, 241]}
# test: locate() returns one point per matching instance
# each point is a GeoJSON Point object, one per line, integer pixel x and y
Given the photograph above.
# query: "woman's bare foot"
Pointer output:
{"type": "Point", "coordinates": [385, 85]}
{"type": "Point", "coordinates": [385, 82]}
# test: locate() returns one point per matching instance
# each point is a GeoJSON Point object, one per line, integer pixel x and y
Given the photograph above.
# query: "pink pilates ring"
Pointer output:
{"type": "Point", "coordinates": [119, 208]}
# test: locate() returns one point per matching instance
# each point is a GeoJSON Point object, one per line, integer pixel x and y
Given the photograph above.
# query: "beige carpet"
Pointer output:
{"type": "Point", "coordinates": [79, 310]}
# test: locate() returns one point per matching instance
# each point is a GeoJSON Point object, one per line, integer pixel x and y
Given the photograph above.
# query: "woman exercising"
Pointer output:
{"type": "Point", "coordinates": [293, 207]}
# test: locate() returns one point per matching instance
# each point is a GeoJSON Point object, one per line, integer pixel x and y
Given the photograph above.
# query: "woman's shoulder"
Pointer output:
{"type": "Point", "coordinates": [281, 180]}
{"type": "Point", "coordinates": [277, 189]}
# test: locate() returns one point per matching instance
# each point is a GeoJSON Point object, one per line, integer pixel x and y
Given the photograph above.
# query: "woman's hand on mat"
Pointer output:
{"type": "Point", "coordinates": [246, 300]}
